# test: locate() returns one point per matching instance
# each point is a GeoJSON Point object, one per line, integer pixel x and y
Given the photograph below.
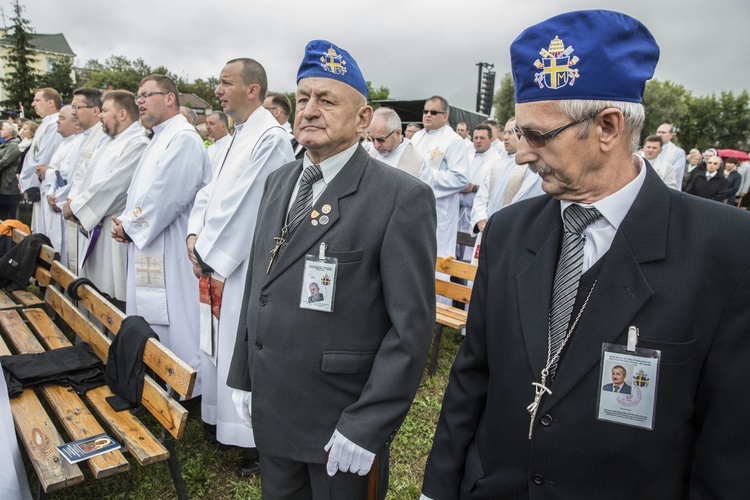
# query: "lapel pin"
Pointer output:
{"type": "Point", "coordinates": [326, 209]}
{"type": "Point", "coordinates": [324, 218]}
{"type": "Point", "coordinates": [314, 214]}
{"type": "Point", "coordinates": [314, 222]}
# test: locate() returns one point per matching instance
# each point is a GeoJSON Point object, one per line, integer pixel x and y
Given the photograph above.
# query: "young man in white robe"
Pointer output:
{"type": "Point", "coordinates": [86, 106]}
{"type": "Point", "coordinates": [47, 103]}
{"type": "Point", "coordinates": [444, 168]}
{"type": "Point", "coordinates": [103, 191]}
{"type": "Point", "coordinates": [174, 167]}
{"type": "Point", "coordinates": [222, 220]}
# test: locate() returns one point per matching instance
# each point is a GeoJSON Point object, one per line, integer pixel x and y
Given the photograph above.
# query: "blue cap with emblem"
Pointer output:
{"type": "Point", "coordinates": [588, 54]}
{"type": "Point", "coordinates": [324, 59]}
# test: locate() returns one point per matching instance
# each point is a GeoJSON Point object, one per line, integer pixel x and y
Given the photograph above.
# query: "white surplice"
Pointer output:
{"type": "Point", "coordinates": [43, 146]}
{"type": "Point", "coordinates": [479, 165]}
{"type": "Point", "coordinates": [13, 482]}
{"type": "Point", "coordinates": [101, 194]}
{"type": "Point", "coordinates": [217, 150]}
{"type": "Point", "coordinates": [224, 219]}
{"type": "Point", "coordinates": [444, 168]}
{"type": "Point", "coordinates": [54, 222]}
{"type": "Point", "coordinates": [160, 281]}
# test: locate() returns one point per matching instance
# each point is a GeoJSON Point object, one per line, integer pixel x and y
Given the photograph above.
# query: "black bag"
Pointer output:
{"type": "Point", "coordinates": [33, 194]}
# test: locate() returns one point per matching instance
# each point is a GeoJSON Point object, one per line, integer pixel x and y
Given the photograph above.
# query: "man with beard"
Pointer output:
{"type": "Point", "coordinates": [102, 193]}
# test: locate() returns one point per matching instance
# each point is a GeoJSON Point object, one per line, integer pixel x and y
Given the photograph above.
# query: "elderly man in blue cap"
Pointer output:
{"type": "Point", "coordinates": [610, 268]}
{"type": "Point", "coordinates": [333, 379]}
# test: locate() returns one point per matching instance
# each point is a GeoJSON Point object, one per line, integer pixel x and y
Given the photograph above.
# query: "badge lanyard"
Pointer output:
{"type": "Point", "coordinates": [319, 281]}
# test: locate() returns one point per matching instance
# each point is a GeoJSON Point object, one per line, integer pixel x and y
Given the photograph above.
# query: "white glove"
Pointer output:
{"type": "Point", "coordinates": [423, 497]}
{"type": "Point", "coordinates": [242, 401]}
{"type": "Point", "coordinates": [346, 456]}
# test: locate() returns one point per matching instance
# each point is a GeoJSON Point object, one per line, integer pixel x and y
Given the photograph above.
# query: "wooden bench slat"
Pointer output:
{"type": "Point", "coordinates": [178, 374]}
{"type": "Point", "coordinates": [43, 276]}
{"type": "Point", "coordinates": [126, 427]}
{"type": "Point", "coordinates": [27, 299]}
{"type": "Point", "coordinates": [166, 410]}
{"type": "Point", "coordinates": [451, 312]}
{"type": "Point", "coordinates": [454, 291]}
{"type": "Point", "coordinates": [40, 437]}
{"type": "Point", "coordinates": [74, 416]}
{"type": "Point", "coordinates": [456, 268]}
{"type": "Point", "coordinates": [8, 303]}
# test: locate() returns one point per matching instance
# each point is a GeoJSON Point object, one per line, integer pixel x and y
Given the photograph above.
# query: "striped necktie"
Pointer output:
{"type": "Point", "coordinates": [568, 274]}
{"type": "Point", "coordinates": [303, 202]}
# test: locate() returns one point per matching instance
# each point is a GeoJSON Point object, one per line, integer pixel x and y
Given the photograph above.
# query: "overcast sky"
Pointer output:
{"type": "Point", "coordinates": [416, 48]}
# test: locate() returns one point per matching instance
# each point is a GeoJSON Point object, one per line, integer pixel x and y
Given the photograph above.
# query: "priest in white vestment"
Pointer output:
{"type": "Point", "coordinates": [103, 190]}
{"type": "Point", "coordinates": [174, 167]}
{"type": "Point", "coordinates": [86, 106]}
{"type": "Point", "coordinates": [390, 145]}
{"type": "Point", "coordinates": [444, 167]}
{"type": "Point", "coordinates": [47, 103]}
{"type": "Point", "coordinates": [221, 223]}
{"type": "Point", "coordinates": [671, 153]}
{"type": "Point", "coordinates": [54, 175]}
{"type": "Point", "coordinates": [652, 149]}
{"type": "Point", "coordinates": [217, 127]}
{"type": "Point", "coordinates": [481, 156]}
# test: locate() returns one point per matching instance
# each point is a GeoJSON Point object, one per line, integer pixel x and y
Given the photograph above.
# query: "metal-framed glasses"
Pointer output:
{"type": "Point", "coordinates": [381, 140]}
{"type": "Point", "coordinates": [146, 95]}
{"type": "Point", "coordinates": [537, 139]}
{"type": "Point", "coordinates": [76, 107]}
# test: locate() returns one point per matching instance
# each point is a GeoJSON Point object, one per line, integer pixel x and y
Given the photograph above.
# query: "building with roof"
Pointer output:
{"type": "Point", "coordinates": [47, 49]}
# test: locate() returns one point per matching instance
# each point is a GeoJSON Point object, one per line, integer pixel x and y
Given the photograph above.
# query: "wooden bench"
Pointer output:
{"type": "Point", "coordinates": [446, 315]}
{"type": "Point", "coordinates": [29, 329]}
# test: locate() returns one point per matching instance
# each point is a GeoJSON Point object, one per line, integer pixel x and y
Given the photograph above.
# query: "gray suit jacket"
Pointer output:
{"type": "Point", "coordinates": [355, 369]}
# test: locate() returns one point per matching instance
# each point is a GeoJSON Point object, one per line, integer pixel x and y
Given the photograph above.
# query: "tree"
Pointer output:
{"type": "Point", "coordinates": [504, 101]}
{"type": "Point", "coordinates": [377, 94]}
{"type": "Point", "coordinates": [59, 78]}
{"type": "Point", "coordinates": [665, 102]}
{"type": "Point", "coordinates": [117, 72]}
{"type": "Point", "coordinates": [21, 79]}
{"type": "Point", "coordinates": [203, 89]}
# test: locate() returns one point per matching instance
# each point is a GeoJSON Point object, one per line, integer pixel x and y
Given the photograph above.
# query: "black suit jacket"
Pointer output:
{"type": "Point", "coordinates": [356, 369]}
{"type": "Point", "coordinates": [655, 276]}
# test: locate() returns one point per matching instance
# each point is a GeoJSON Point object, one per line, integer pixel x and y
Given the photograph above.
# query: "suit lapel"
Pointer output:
{"type": "Point", "coordinates": [305, 236]}
{"type": "Point", "coordinates": [534, 283]}
{"type": "Point", "coordinates": [621, 289]}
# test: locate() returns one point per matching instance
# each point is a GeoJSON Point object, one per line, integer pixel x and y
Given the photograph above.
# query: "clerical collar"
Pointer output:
{"type": "Point", "coordinates": [333, 165]}
{"type": "Point", "coordinates": [615, 207]}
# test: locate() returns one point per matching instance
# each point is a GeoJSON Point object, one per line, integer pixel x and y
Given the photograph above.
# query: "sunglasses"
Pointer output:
{"type": "Point", "coordinates": [432, 112]}
{"type": "Point", "coordinates": [537, 139]}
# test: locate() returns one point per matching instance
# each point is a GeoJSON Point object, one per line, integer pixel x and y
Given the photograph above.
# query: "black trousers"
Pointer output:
{"type": "Point", "coordinates": [283, 479]}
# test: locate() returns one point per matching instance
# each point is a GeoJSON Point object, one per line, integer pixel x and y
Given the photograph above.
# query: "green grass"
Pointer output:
{"type": "Point", "coordinates": [210, 473]}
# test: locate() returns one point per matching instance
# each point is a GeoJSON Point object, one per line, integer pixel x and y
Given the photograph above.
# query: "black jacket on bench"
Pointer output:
{"type": "Point", "coordinates": [19, 264]}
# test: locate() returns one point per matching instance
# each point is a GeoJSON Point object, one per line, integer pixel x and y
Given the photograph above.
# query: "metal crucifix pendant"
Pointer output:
{"type": "Point", "coordinates": [279, 242]}
{"type": "Point", "coordinates": [540, 388]}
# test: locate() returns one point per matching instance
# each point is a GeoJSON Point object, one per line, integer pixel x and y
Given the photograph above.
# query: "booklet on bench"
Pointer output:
{"type": "Point", "coordinates": [83, 449]}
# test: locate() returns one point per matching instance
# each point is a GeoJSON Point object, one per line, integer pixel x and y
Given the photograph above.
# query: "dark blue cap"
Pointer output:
{"type": "Point", "coordinates": [324, 59]}
{"type": "Point", "coordinates": [588, 54]}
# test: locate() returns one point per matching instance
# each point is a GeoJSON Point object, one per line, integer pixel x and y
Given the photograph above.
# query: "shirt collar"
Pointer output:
{"type": "Point", "coordinates": [333, 165]}
{"type": "Point", "coordinates": [615, 207]}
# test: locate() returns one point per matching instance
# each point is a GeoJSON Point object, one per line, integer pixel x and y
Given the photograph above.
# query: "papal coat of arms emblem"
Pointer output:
{"type": "Point", "coordinates": [333, 62]}
{"type": "Point", "coordinates": [556, 65]}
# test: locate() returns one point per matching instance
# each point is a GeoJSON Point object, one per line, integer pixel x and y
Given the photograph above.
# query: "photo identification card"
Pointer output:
{"type": "Point", "coordinates": [628, 386]}
{"type": "Point", "coordinates": [318, 283]}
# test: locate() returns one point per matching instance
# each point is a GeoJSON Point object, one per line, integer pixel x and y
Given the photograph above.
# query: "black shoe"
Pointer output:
{"type": "Point", "coordinates": [209, 433]}
{"type": "Point", "coordinates": [249, 464]}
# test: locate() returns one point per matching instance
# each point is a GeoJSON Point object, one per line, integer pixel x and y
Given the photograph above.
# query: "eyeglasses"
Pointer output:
{"type": "Point", "coordinates": [432, 112]}
{"type": "Point", "coordinates": [146, 95]}
{"type": "Point", "coordinates": [381, 140]}
{"type": "Point", "coordinates": [537, 139]}
{"type": "Point", "coordinates": [76, 107]}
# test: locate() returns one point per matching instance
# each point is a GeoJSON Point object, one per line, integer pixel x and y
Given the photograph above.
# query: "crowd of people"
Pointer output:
{"type": "Point", "coordinates": [293, 267]}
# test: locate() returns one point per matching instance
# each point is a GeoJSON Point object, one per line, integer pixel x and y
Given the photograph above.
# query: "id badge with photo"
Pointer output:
{"type": "Point", "coordinates": [319, 281]}
{"type": "Point", "coordinates": [628, 383]}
